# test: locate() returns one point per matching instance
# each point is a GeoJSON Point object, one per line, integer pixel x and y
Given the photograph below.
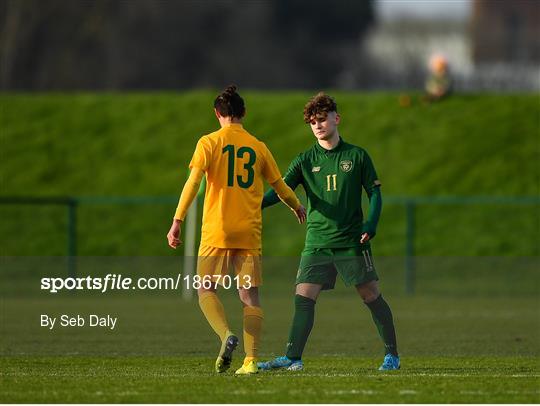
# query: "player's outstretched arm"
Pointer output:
{"type": "Point", "coordinates": [271, 197]}
{"type": "Point", "coordinates": [190, 190]}
{"type": "Point", "coordinates": [286, 194]}
{"type": "Point", "coordinates": [293, 177]}
{"type": "Point", "coordinates": [369, 228]}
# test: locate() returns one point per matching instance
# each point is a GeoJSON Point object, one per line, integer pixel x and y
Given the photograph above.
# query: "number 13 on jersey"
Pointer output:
{"type": "Point", "coordinates": [248, 166]}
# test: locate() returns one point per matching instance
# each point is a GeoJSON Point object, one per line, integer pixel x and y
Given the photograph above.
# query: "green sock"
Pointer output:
{"type": "Point", "coordinates": [304, 314]}
{"type": "Point", "coordinates": [382, 316]}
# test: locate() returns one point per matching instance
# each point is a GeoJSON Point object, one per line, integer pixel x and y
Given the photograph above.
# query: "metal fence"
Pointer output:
{"type": "Point", "coordinates": [409, 204]}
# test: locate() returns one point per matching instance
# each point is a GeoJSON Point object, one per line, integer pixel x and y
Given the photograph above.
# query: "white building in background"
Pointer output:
{"type": "Point", "coordinates": [404, 44]}
{"type": "Point", "coordinates": [490, 45]}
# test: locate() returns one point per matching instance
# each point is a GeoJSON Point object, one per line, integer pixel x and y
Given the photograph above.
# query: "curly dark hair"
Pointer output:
{"type": "Point", "coordinates": [229, 103]}
{"type": "Point", "coordinates": [319, 105]}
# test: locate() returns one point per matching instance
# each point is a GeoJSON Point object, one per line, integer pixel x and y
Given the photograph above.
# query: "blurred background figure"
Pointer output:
{"type": "Point", "coordinates": [439, 81]}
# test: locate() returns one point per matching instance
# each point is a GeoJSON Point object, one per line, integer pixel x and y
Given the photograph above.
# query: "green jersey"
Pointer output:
{"type": "Point", "coordinates": [333, 182]}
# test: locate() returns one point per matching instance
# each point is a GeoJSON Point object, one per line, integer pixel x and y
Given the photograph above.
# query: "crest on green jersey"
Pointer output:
{"type": "Point", "coordinates": [345, 166]}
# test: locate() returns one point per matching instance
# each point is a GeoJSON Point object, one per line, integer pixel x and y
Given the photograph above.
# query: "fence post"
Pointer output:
{"type": "Point", "coordinates": [190, 231]}
{"type": "Point", "coordinates": [410, 277]}
{"type": "Point", "coordinates": [190, 242]}
{"type": "Point", "coordinates": [72, 237]}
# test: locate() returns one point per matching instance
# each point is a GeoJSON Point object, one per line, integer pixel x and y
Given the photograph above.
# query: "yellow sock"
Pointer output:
{"type": "Point", "coordinates": [253, 317]}
{"type": "Point", "coordinates": [214, 312]}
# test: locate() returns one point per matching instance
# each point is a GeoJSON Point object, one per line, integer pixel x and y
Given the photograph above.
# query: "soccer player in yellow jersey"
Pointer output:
{"type": "Point", "coordinates": [235, 164]}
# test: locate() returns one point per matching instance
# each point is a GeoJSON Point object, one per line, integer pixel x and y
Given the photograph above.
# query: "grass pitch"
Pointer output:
{"type": "Point", "coordinates": [471, 335]}
{"type": "Point", "coordinates": [325, 380]}
{"type": "Point", "coordinates": [453, 349]}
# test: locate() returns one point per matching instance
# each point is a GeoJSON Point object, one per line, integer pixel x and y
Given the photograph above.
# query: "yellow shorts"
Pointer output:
{"type": "Point", "coordinates": [217, 264]}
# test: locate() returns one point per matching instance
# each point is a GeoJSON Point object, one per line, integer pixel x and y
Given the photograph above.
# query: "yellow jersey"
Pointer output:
{"type": "Point", "coordinates": [235, 163]}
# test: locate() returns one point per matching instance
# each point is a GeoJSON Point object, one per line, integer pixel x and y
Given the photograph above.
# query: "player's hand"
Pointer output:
{"type": "Point", "coordinates": [173, 236]}
{"type": "Point", "coordinates": [364, 238]}
{"type": "Point", "coordinates": [300, 214]}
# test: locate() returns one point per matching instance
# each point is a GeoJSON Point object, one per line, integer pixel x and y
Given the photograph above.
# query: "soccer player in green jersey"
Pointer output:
{"type": "Point", "coordinates": [333, 173]}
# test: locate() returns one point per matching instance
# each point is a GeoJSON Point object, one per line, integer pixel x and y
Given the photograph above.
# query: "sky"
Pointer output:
{"type": "Point", "coordinates": [423, 9]}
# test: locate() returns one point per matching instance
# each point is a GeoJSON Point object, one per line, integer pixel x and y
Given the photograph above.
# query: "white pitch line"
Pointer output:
{"type": "Point", "coordinates": [397, 374]}
{"type": "Point", "coordinates": [405, 375]}
{"type": "Point", "coordinates": [351, 392]}
{"type": "Point", "coordinates": [246, 392]}
{"type": "Point", "coordinates": [127, 393]}
{"type": "Point", "coordinates": [402, 375]}
{"type": "Point", "coordinates": [367, 392]}
{"type": "Point", "coordinates": [407, 392]}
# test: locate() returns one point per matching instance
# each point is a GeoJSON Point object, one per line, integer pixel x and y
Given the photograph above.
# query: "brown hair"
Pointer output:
{"type": "Point", "coordinates": [319, 105]}
{"type": "Point", "coordinates": [229, 103]}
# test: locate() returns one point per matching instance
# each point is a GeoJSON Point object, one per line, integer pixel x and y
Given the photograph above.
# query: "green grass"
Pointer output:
{"type": "Point", "coordinates": [140, 144]}
{"type": "Point", "coordinates": [471, 334]}
{"type": "Point", "coordinates": [326, 380]}
{"type": "Point", "coordinates": [480, 349]}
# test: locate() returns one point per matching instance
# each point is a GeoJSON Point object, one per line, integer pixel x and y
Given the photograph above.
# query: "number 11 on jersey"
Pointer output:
{"type": "Point", "coordinates": [331, 180]}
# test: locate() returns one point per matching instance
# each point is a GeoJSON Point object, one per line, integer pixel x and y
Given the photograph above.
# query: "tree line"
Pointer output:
{"type": "Point", "coordinates": [177, 44]}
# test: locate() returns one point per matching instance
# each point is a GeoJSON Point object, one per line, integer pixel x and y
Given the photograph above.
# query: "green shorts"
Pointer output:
{"type": "Point", "coordinates": [321, 266]}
